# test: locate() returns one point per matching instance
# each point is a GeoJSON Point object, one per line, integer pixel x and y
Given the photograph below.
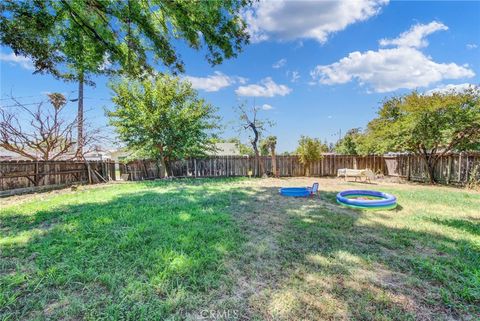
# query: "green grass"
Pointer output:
{"type": "Point", "coordinates": [171, 250]}
{"type": "Point", "coordinates": [132, 251]}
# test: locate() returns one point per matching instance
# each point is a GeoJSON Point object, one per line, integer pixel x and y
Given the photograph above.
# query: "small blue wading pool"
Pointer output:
{"type": "Point", "coordinates": [295, 191]}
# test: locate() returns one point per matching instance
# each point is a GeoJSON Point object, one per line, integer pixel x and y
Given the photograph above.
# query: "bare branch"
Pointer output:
{"type": "Point", "coordinates": [41, 133]}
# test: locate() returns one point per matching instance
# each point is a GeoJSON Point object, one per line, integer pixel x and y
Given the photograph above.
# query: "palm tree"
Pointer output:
{"type": "Point", "coordinates": [270, 143]}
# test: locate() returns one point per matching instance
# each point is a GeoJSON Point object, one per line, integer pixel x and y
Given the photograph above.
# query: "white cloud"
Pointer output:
{"type": "Point", "coordinates": [415, 36]}
{"type": "Point", "coordinates": [288, 20]}
{"type": "Point", "coordinates": [294, 75]}
{"type": "Point", "coordinates": [451, 87]}
{"type": "Point", "coordinates": [266, 88]}
{"type": "Point", "coordinates": [390, 69]}
{"type": "Point", "coordinates": [214, 82]}
{"type": "Point", "coordinates": [266, 107]}
{"type": "Point", "coordinates": [13, 59]}
{"type": "Point", "coordinates": [280, 63]}
{"type": "Point", "coordinates": [472, 46]}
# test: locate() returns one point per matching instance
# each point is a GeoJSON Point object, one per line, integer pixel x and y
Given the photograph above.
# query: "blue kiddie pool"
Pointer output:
{"type": "Point", "coordinates": [299, 191]}
{"type": "Point", "coordinates": [368, 200]}
{"type": "Point", "coordinates": [295, 191]}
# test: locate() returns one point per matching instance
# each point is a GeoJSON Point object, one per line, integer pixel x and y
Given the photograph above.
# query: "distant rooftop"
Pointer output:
{"type": "Point", "coordinates": [226, 149]}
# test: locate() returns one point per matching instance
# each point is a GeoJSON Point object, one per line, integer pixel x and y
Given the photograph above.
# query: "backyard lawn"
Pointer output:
{"type": "Point", "coordinates": [233, 249]}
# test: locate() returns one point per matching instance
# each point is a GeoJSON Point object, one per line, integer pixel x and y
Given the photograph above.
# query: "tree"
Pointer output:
{"type": "Point", "coordinates": [94, 36]}
{"type": "Point", "coordinates": [163, 118]}
{"type": "Point", "coordinates": [42, 133]}
{"type": "Point", "coordinates": [250, 122]}
{"type": "Point", "coordinates": [269, 144]}
{"type": "Point", "coordinates": [427, 125]}
{"type": "Point", "coordinates": [50, 32]}
{"type": "Point", "coordinates": [309, 150]}
{"type": "Point", "coordinates": [264, 148]}
{"type": "Point", "coordinates": [347, 145]}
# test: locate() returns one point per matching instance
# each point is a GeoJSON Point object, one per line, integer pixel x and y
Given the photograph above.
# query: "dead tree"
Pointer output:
{"type": "Point", "coordinates": [40, 133]}
{"type": "Point", "coordinates": [250, 122]}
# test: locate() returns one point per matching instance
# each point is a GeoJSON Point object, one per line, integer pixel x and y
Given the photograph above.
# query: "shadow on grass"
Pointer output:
{"type": "Point", "coordinates": [333, 262]}
{"type": "Point", "coordinates": [459, 224]}
{"type": "Point", "coordinates": [157, 253]}
{"type": "Point", "coordinates": [140, 255]}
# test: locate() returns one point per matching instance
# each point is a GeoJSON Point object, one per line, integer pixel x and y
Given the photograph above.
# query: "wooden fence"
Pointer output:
{"type": "Point", "coordinates": [230, 166]}
{"type": "Point", "coordinates": [15, 175]}
{"type": "Point", "coordinates": [451, 169]}
{"type": "Point", "coordinates": [456, 169]}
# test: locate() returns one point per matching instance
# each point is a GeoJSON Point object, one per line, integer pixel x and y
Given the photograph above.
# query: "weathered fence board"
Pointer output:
{"type": "Point", "coordinates": [451, 169]}
{"type": "Point", "coordinates": [25, 174]}
{"type": "Point", "coordinates": [226, 166]}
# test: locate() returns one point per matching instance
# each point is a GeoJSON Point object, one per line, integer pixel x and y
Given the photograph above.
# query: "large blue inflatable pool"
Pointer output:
{"type": "Point", "coordinates": [295, 191]}
{"type": "Point", "coordinates": [365, 199]}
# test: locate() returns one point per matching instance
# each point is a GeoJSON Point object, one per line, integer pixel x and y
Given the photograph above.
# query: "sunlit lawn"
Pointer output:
{"type": "Point", "coordinates": [189, 249]}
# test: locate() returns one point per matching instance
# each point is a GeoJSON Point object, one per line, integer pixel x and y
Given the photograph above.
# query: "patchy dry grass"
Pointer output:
{"type": "Point", "coordinates": [236, 250]}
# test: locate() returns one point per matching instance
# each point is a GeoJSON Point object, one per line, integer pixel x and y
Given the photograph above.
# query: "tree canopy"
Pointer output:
{"type": "Point", "coordinates": [348, 144]}
{"type": "Point", "coordinates": [310, 150]}
{"type": "Point", "coordinates": [428, 125]}
{"type": "Point", "coordinates": [163, 118]}
{"type": "Point", "coordinates": [129, 35]}
{"type": "Point", "coordinates": [269, 144]}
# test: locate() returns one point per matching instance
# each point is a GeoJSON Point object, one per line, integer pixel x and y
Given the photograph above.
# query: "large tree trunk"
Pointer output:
{"type": "Point", "coordinates": [80, 141]}
{"type": "Point", "coordinates": [257, 161]}
{"type": "Point", "coordinates": [165, 166]}
{"type": "Point", "coordinates": [259, 166]}
{"type": "Point", "coordinates": [431, 162]}
{"type": "Point", "coordinates": [164, 161]}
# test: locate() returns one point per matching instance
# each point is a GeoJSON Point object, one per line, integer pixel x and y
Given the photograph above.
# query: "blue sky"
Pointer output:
{"type": "Point", "coordinates": [313, 67]}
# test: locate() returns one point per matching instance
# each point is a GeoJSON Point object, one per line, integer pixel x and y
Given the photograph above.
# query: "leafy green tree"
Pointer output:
{"type": "Point", "coordinates": [50, 32]}
{"type": "Point", "coordinates": [263, 148]}
{"type": "Point", "coordinates": [427, 125]}
{"type": "Point", "coordinates": [163, 118]}
{"type": "Point", "coordinates": [309, 150]}
{"type": "Point", "coordinates": [269, 144]}
{"type": "Point", "coordinates": [348, 144]}
{"type": "Point", "coordinates": [73, 39]}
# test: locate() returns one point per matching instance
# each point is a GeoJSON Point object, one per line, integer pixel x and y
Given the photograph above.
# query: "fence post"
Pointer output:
{"type": "Point", "coordinates": [460, 168]}
{"type": "Point", "coordinates": [408, 167]}
{"type": "Point", "coordinates": [195, 166]}
{"type": "Point", "coordinates": [37, 178]}
{"type": "Point", "coordinates": [467, 172]}
{"type": "Point", "coordinates": [449, 168]}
